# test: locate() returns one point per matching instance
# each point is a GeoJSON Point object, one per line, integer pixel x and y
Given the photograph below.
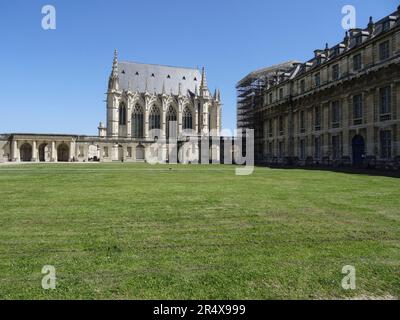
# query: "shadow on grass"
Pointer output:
{"type": "Point", "coordinates": [349, 170]}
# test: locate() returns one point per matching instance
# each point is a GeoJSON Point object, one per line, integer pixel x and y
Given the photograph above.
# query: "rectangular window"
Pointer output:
{"type": "Point", "coordinates": [317, 118]}
{"type": "Point", "coordinates": [336, 147]}
{"type": "Point", "coordinates": [357, 109]}
{"type": "Point", "coordinates": [357, 62]}
{"type": "Point", "coordinates": [386, 144]}
{"type": "Point", "coordinates": [281, 93]}
{"type": "Point", "coordinates": [281, 126]}
{"type": "Point", "coordinates": [270, 148]}
{"type": "Point", "coordinates": [302, 86]}
{"type": "Point", "coordinates": [317, 148]}
{"type": "Point", "coordinates": [385, 100]}
{"type": "Point", "coordinates": [280, 147]}
{"type": "Point", "coordinates": [335, 72]}
{"type": "Point", "coordinates": [336, 51]}
{"type": "Point", "coordinates": [317, 79]}
{"type": "Point", "coordinates": [302, 149]}
{"type": "Point", "coordinates": [384, 50]}
{"type": "Point", "coordinates": [270, 128]}
{"type": "Point", "coordinates": [386, 25]}
{"type": "Point", "coordinates": [335, 114]}
{"type": "Point", "coordinates": [302, 122]}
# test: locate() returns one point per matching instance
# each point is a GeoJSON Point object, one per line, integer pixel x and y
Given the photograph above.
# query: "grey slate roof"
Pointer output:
{"type": "Point", "coordinates": [137, 76]}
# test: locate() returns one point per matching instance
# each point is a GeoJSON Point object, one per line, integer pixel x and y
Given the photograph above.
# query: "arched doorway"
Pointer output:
{"type": "Point", "coordinates": [120, 153]}
{"type": "Point", "coordinates": [26, 152]}
{"type": "Point", "coordinates": [62, 153]}
{"type": "Point", "coordinates": [42, 152]}
{"type": "Point", "coordinates": [358, 146]}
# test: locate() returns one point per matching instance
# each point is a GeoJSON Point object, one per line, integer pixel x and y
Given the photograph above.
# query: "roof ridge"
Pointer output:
{"type": "Point", "coordinates": [159, 65]}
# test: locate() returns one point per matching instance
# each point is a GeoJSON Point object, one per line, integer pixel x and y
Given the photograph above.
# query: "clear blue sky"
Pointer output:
{"type": "Point", "coordinates": [54, 81]}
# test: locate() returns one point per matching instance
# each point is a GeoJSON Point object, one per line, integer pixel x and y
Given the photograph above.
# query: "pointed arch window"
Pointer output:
{"type": "Point", "coordinates": [154, 118]}
{"type": "Point", "coordinates": [187, 119]}
{"type": "Point", "coordinates": [137, 122]}
{"type": "Point", "coordinates": [122, 114]}
{"type": "Point", "coordinates": [171, 121]}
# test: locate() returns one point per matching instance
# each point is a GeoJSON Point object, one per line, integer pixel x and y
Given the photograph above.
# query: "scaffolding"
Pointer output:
{"type": "Point", "coordinates": [250, 92]}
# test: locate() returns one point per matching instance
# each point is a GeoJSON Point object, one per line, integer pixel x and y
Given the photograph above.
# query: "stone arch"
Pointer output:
{"type": "Point", "coordinates": [171, 119]}
{"type": "Point", "coordinates": [122, 113]}
{"type": "Point", "coordinates": [43, 150]}
{"type": "Point", "coordinates": [137, 121]}
{"type": "Point", "coordinates": [187, 118]}
{"type": "Point", "coordinates": [26, 152]}
{"type": "Point", "coordinates": [154, 117]}
{"type": "Point", "coordinates": [63, 153]}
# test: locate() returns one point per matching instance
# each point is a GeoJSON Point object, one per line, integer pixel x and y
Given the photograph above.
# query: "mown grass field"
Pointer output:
{"type": "Point", "coordinates": [130, 231]}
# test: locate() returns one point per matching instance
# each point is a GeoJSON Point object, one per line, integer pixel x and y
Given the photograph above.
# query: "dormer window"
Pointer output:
{"type": "Point", "coordinates": [386, 25]}
{"type": "Point", "coordinates": [384, 50]}
{"type": "Point", "coordinates": [336, 51]}
{"type": "Point", "coordinates": [302, 86]}
{"type": "Point", "coordinates": [357, 62]}
{"type": "Point", "coordinates": [317, 78]}
{"type": "Point", "coordinates": [358, 40]}
{"type": "Point", "coordinates": [335, 72]}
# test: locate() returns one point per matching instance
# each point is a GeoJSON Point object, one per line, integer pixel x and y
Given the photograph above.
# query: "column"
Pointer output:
{"type": "Point", "coordinates": [146, 122]}
{"type": "Point", "coordinates": [71, 150]}
{"type": "Point", "coordinates": [14, 151]}
{"type": "Point", "coordinates": [179, 119]}
{"type": "Point", "coordinates": [129, 119]}
{"type": "Point", "coordinates": [34, 151]}
{"type": "Point", "coordinates": [164, 121]}
{"type": "Point", "coordinates": [195, 117]}
{"type": "Point", "coordinates": [346, 111]}
{"type": "Point", "coordinates": [53, 152]}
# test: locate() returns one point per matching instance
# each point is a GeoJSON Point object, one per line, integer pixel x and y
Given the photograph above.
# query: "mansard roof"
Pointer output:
{"type": "Point", "coordinates": [158, 79]}
{"type": "Point", "coordinates": [373, 30]}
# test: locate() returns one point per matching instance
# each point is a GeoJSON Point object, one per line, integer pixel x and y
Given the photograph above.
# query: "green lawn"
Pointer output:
{"type": "Point", "coordinates": [131, 231]}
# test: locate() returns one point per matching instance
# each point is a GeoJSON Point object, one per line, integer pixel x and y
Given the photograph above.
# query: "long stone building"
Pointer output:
{"type": "Point", "coordinates": [342, 107]}
{"type": "Point", "coordinates": [147, 106]}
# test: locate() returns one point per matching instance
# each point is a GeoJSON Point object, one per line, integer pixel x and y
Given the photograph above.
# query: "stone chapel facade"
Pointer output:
{"type": "Point", "coordinates": [147, 106]}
